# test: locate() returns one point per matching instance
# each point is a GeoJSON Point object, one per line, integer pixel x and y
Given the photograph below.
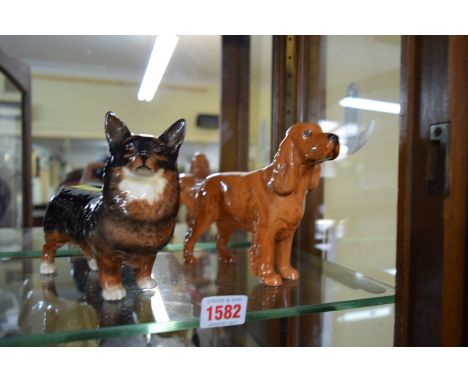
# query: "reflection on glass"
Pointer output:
{"type": "Point", "coordinates": [43, 310]}
{"type": "Point", "coordinates": [10, 155]}
{"type": "Point", "coordinates": [360, 193]}
{"type": "Point", "coordinates": [361, 188]}
{"type": "Point", "coordinates": [260, 101]}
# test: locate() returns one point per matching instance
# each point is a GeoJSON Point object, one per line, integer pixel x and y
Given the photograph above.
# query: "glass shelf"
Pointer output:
{"type": "Point", "coordinates": [40, 310]}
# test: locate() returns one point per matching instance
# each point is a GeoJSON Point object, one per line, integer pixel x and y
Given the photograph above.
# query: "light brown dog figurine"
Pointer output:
{"type": "Point", "coordinates": [268, 202]}
{"type": "Point", "coordinates": [189, 182]}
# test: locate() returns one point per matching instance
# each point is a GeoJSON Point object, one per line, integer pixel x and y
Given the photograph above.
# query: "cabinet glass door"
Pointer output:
{"type": "Point", "coordinates": [358, 229]}
{"type": "Point", "coordinates": [11, 196]}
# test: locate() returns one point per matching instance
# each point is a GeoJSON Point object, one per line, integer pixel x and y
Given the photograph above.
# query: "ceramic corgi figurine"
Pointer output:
{"type": "Point", "coordinates": [131, 218]}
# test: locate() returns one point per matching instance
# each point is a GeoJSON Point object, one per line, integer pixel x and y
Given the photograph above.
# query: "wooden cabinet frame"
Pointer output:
{"type": "Point", "coordinates": [431, 302]}
{"type": "Point", "coordinates": [234, 123]}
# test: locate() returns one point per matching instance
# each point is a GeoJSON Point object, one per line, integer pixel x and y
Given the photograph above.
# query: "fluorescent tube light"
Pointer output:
{"type": "Point", "coordinates": [162, 52]}
{"type": "Point", "coordinates": [370, 104]}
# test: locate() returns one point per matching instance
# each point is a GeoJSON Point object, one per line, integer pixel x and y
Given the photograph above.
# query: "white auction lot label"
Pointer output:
{"type": "Point", "coordinates": [219, 311]}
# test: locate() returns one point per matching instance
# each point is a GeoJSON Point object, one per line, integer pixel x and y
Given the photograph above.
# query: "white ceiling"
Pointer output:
{"type": "Point", "coordinates": [196, 59]}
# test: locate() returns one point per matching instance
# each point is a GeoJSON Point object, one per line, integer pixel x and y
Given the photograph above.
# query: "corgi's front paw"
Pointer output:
{"type": "Point", "coordinates": [92, 264]}
{"type": "Point", "coordinates": [114, 293]}
{"type": "Point", "coordinates": [146, 283]}
{"type": "Point", "coordinates": [47, 268]}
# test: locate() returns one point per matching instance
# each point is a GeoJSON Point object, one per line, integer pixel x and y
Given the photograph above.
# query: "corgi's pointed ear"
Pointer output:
{"type": "Point", "coordinates": [174, 135]}
{"type": "Point", "coordinates": [116, 131]}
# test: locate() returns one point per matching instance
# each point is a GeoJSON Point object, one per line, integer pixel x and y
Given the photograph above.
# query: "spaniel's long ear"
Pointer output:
{"type": "Point", "coordinates": [314, 177]}
{"type": "Point", "coordinates": [284, 179]}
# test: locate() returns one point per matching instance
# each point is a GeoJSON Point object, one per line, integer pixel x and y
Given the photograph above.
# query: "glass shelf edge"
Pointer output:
{"type": "Point", "coordinates": [45, 339]}
{"type": "Point", "coordinates": [172, 326]}
{"type": "Point", "coordinates": [320, 308]}
{"type": "Point", "coordinates": [176, 247]}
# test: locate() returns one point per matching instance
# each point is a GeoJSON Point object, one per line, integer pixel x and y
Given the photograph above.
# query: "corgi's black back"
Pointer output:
{"type": "Point", "coordinates": [74, 212]}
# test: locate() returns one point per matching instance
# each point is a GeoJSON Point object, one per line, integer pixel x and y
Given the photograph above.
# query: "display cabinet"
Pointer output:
{"type": "Point", "coordinates": [67, 308]}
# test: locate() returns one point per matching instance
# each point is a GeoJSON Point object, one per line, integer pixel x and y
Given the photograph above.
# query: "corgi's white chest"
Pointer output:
{"type": "Point", "coordinates": [148, 188]}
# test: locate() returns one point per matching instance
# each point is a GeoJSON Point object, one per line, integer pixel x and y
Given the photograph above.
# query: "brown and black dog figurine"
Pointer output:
{"type": "Point", "coordinates": [134, 215]}
{"type": "Point", "coordinates": [268, 202]}
{"type": "Point", "coordinates": [189, 182]}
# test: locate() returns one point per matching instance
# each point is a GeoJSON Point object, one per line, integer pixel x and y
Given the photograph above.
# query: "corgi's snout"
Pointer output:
{"type": "Point", "coordinates": [144, 155]}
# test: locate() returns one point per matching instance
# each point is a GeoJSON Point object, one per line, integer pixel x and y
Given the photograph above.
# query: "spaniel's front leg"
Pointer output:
{"type": "Point", "coordinates": [262, 258]}
{"type": "Point", "coordinates": [283, 258]}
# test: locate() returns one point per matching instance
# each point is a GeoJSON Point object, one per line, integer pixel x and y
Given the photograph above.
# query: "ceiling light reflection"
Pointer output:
{"type": "Point", "coordinates": [370, 104]}
{"type": "Point", "coordinates": [159, 309]}
{"type": "Point", "coordinates": [367, 314]}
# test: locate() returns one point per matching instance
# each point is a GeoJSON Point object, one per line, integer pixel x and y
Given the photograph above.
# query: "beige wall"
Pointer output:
{"type": "Point", "coordinates": [75, 108]}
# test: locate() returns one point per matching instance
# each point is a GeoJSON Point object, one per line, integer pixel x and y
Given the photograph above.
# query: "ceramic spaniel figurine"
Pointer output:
{"type": "Point", "coordinates": [189, 182]}
{"type": "Point", "coordinates": [134, 215]}
{"type": "Point", "coordinates": [267, 202]}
